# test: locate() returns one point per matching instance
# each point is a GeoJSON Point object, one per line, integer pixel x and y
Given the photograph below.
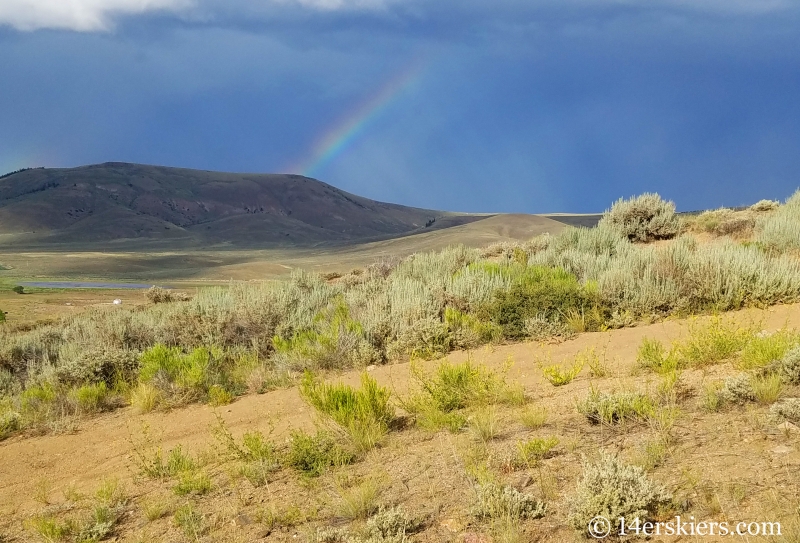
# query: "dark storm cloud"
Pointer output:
{"type": "Point", "coordinates": [520, 106]}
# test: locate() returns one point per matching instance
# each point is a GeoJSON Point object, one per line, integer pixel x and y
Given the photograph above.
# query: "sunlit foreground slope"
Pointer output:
{"type": "Point", "coordinates": [693, 417]}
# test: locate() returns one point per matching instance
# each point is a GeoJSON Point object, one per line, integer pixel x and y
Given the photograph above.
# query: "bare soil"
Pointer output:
{"type": "Point", "coordinates": [732, 465]}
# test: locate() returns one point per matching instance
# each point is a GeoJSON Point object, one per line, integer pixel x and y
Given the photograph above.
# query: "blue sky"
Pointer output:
{"type": "Point", "coordinates": [502, 106]}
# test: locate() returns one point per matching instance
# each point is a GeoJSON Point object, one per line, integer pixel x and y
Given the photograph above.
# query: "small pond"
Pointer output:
{"type": "Point", "coordinates": [78, 284]}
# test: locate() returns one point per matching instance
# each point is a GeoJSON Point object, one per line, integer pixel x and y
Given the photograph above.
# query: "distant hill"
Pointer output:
{"type": "Point", "coordinates": [151, 205]}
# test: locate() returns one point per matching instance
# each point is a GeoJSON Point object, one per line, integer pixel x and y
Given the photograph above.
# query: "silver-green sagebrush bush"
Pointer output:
{"type": "Point", "coordinates": [787, 409]}
{"type": "Point", "coordinates": [643, 218]}
{"type": "Point", "coordinates": [789, 367]}
{"type": "Point", "coordinates": [780, 230]}
{"type": "Point", "coordinates": [738, 389]}
{"type": "Point", "coordinates": [765, 205]}
{"type": "Point", "coordinates": [611, 489]}
{"type": "Point", "coordinates": [496, 501]}
{"type": "Point", "coordinates": [616, 407]}
{"type": "Point", "coordinates": [388, 525]}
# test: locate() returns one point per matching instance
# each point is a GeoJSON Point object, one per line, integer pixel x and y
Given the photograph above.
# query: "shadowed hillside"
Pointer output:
{"type": "Point", "coordinates": [147, 204]}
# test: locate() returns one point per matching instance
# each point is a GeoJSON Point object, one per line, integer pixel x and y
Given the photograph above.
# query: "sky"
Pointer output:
{"type": "Point", "coordinates": [529, 106]}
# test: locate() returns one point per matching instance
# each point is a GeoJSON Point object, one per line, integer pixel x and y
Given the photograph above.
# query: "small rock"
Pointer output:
{"type": "Point", "coordinates": [782, 449]}
{"type": "Point", "coordinates": [242, 520]}
{"type": "Point", "coordinates": [452, 524]}
{"type": "Point", "coordinates": [522, 482]}
{"type": "Point", "coordinates": [371, 367]}
{"type": "Point", "coordinates": [788, 427]}
{"type": "Point", "coordinates": [117, 301]}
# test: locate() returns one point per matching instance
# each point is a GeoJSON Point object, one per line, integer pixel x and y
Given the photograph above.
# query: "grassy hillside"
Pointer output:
{"type": "Point", "coordinates": [118, 201]}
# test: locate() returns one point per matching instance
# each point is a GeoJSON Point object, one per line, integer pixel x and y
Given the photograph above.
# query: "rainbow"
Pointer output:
{"type": "Point", "coordinates": [337, 140]}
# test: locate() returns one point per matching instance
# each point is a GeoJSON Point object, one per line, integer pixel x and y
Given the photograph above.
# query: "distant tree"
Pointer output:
{"type": "Point", "coordinates": [19, 289]}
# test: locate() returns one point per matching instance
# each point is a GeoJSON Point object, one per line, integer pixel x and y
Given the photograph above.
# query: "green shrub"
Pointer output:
{"type": "Point", "coordinates": [429, 417]}
{"type": "Point", "coordinates": [2, 315]}
{"type": "Point", "coordinates": [91, 398]}
{"type": "Point", "coordinates": [192, 482]}
{"type": "Point", "coordinates": [764, 349]}
{"type": "Point", "coordinates": [177, 377]}
{"type": "Point", "coordinates": [191, 521]}
{"type": "Point", "coordinates": [146, 397]}
{"type": "Point", "coordinates": [533, 417]}
{"type": "Point", "coordinates": [540, 329]}
{"type": "Point", "coordinates": [364, 414]}
{"type": "Point", "coordinates": [334, 340]}
{"type": "Point", "coordinates": [714, 342]}
{"type": "Point", "coordinates": [257, 453]}
{"type": "Point", "coordinates": [468, 331]}
{"type": "Point", "coordinates": [643, 218]}
{"type": "Point", "coordinates": [40, 403]}
{"type": "Point", "coordinates": [188, 370]}
{"type": "Point", "coordinates": [530, 452]}
{"type": "Point", "coordinates": [559, 376]}
{"type": "Point", "coordinates": [111, 493]}
{"type": "Point", "coordinates": [10, 423]}
{"type": "Point", "coordinates": [653, 356]}
{"type": "Point", "coordinates": [19, 289]}
{"type": "Point", "coordinates": [110, 500]}
{"type": "Point", "coordinates": [725, 222]}
{"type": "Point", "coordinates": [159, 295]}
{"type": "Point", "coordinates": [179, 462]}
{"type": "Point", "coordinates": [99, 526]}
{"type": "Point", "coordinates": [153, 464]}
{"type": "Point", "coordinates": [610, 489]}
{"type": "Point", "coordinates": [712, 399]}
{"type": "Point", "coordinates": [423, 306]}
{"type": "Point", "coordinates": [484, 423]}
{"type": "Point", "coordinates": [313, 454]}
{"type": "Point", "coordinates": [358, 501]}
{"type": "Point", "coordinates": [453, 387]}
{"type": "Point", "coordinates": [766, 388]}
{"type": "Point", "coordinates": [217, 396]}
{"type": "Point", "coordinates": [257, 448]}
{"type": "Point", "coordinates": [604, 408]}
{"type": "Point", "coordinates": [542, 292]}
{"type": "Point", "coordinates": [597, 366]}
{"type": "Point", "coordinates": [344, 404]}
{"type": "Point", "coordinates": [50, 529]}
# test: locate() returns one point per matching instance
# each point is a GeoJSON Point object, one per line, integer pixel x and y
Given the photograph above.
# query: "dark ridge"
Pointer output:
{"type": "Point", "coordinates": [120, 203]}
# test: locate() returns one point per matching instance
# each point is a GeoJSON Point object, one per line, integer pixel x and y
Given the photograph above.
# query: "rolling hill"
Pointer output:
{"type": "Point", "coordinates": [132, 204]}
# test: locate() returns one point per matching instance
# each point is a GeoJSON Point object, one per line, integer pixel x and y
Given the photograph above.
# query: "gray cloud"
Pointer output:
{"type": "Point", "coordinates": [79, 15]}
{"type": "Point", "coordinates": [101, 15]}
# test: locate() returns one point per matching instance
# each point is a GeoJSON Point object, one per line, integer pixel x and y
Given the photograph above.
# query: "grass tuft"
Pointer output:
{"type": "Point", "coordinates": [313, 454]}
{"type": "Point", "coordinates": [531, 452]}
{"type": "Point", "coordinates": [533, 417]}
{"type": "Point", "coordinates": [363, 414]}
{"type": "Point", "coordinates": [559, 376]}
{"type": "Point", "coordinates": [615, 408]}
